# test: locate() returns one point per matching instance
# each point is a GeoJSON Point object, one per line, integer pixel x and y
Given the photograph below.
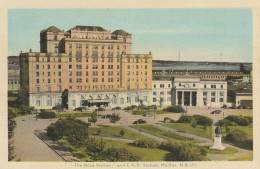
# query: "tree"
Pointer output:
{"type": "Point", "coordinates": [93, 118]}
{"type": "Point", "coordinates": [114, 118]}
{"type": "Point", "coordinates": [64, 97]}
{"type": "Point", "coordinates": [122, 132]}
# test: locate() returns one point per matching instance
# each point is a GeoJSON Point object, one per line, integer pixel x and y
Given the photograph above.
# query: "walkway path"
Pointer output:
{"type": "Point", "coordinates": [114, 138]}
{"type": "Point", "coordinates": [28, 147]}
{"type": "Point", "coordinates": [143, 133]}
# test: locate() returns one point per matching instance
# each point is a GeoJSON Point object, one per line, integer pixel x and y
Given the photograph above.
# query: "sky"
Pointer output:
{"type": "Point", "coordinates": [201, 34]}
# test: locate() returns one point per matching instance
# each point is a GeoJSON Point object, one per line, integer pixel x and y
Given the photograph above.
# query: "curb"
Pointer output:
{"type": "Point", "coordinates": [35, 132]}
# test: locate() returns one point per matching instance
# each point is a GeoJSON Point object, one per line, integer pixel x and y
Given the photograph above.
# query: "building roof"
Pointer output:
{"type": "Point", "coordinates": [51, 29]}
{"type": "Point", "coordinates": [120, 32]}
{"type": "Point", "coordinates": [89, 28]}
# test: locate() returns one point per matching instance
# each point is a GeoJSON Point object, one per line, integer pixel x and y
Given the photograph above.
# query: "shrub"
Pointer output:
{"type": "Point", "coordinates": [186, 152]}
{"type": "Point", "coordinates": [243, 122]}
{"type": "Point", "coordinates": [174, 109]}
{"type": "Point", "coordinates": [115, 154]}
{"type": "Point", "coordinates": [99, 131]}
{"type": "Point", "coordinates": [146, 143]}
{"type": "Point", "coordinates": [114, 118]}
{"type": "Point", "coordinates": [236, 136]}
{"type": "Point", "coordinates": [75, 130]}
{"type": "Point", "coordinates": [250, 118]}
{"type": "Point", "coordinates": [203, 120]}
{"type": "Point", "coordinates": [185, 119]}
{"type": "Point", "coordinates": [223, 122]}
{"type": "Point", "coordinates": [46, 114]}
{"type": "Point", "coordinates": [122, 132]}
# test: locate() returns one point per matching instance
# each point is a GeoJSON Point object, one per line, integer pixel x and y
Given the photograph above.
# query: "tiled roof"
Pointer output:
{"type": "Point", "coordinates": [51, 29]}
{"type": "Point", "coordinates": [89, 28]}
{"type": "Point", "coordinates": [120, 32]}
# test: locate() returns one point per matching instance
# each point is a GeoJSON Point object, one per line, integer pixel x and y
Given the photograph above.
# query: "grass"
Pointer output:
{"type": "Point", "coordinates": [115, 132]}
{"type": "Point", "coordinates": [146, 154]}
{"type": "Point", "coordinates": [247, 129]}
{"type": "Point", "coordinates": [74, 114]}
{"type": "Point", "coordinates": [228, 150]}
{"type": "Point", "coordinates": [246, 158]}
{"type": "Point", "coordinates": [12, 98]}
{"type": "Point", "coordinates": [186, 127]}
{"type": "Point", "coordinates": [170, 136]}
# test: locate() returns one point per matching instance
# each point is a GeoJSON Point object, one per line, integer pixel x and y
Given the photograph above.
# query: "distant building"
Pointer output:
{"type": "Point", "coordinates": [244, 99]}
{"type": "Point", "coordinates": [193, 91]}
{"type": "Point", "coordinates": [13, 74]}
{"type": "Point", "coordinates": [94, 65]}
{"type": "Point", "coordinates": [162, 92]}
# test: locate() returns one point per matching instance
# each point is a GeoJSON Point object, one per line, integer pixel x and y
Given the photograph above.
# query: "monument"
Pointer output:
{"type": "Point", "coordinates": [217, 140]}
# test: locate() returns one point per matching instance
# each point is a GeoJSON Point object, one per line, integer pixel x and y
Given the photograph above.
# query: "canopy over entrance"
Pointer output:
{"type": "Point", "coordinates": [97, 102]}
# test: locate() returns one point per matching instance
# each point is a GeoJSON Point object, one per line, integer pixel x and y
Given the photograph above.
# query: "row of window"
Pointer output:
{"type": "Point", "coordinates": [79, 80]}
{"type": "Point", "coordinates": [48, 66]}
{"type": "Point", "coordinates": [48, 74]}
{"type": "Point", "coordinates": [161, 93]}
{"type": "Point", "coordinates": [162, 86]}
{"type": "Point", "coordinates": [48, 88]}
{"type": "Point", "coordinates": [212, 86]}
{"type": "Point", "coordinates": [95, 87]}
{"type": "Point", "coordinates": [129, 66]}
{"type": "Point", "coordinates": [96, 66]}
{"type": "Point", "coordinates": [48, 101]}
{"type": "Point", "coordinates": [161, 99]}
{"type": "Point", "coordinates": [94, 53]}
{"type": "Point", "coordinates": [137, 79]}
{"type": "Point", "coordinates": [48, 59]}
{"type": "Point", "coordinates": [79, 46]}
{"type": "Point", "coordinates": [136, 86]}
{"type": "Point", "coordinates": [213, 96]}
{"type": "Point", "coordinates": [48, 81]}
{"type": "Point", "coordinates": [13, 82]}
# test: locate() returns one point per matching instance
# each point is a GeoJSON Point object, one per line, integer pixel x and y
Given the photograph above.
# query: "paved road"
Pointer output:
{"type": "Point", "coordinates": [28, 147]}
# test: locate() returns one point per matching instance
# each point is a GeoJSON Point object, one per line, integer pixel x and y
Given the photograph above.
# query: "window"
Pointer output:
{"type": "Point", "coordinates": [169, 85]}
{"type": "Point", "coordinates": [37, 88]}
{"type": "Point", "coordinates": [122, 101]}
{"type": "Point", "coordinates": [49, 80]}
{"type": "Point", "coordinates": [205, 86]}
{"type": "Point", "coordinates": [70, 59]}
{"type": "Point", "coordinates": [117, 66]}
{"type": "Point", "coordinates": [48, 88]}
{"type": "Point", "coordinates": [59, 80]}
{"type": "Point", "coordinates": [221, 86]}
{"type": "Point", "coordinates": [37, 59]}
{"type": "Point", "coordinates": [37, 66]}
{"type": "Point", "coordinates": [73, 102]}
{"type": "Point", "coordinates": [48, 73]}
{"type": "Point", "coordinates": [37, 81]}
{"type": "Point", "coordinates": [59, 88]}
{"type": "Point", "coordinates": [213, 96]}
{"type": "Point", "coordinates": [169, 93]}
{"type": "Point", "coordinates": [128, 66]}
{"type": "Point", "coordinates": [145, 66]}
{"type": "Point", "coordinates": [221, 99]}
{"type": "Point", "coordinates": [179, 84]}
{"type": "Point", "coordinates": [193, 84]}
{"type": "Point", "coordinates": [38, 103]}
{"type": "Point", "coordinates": [70, 80]}
{"type": "Point", "coordinates": [37, 74]}
{"type": "Point", "coordinates": [87, 80]}
{"type": "Point", "coordinates": [49, 102]}
{"type": "Point", "coordinates": [48, 66]}
{"type": "Point", "coordinates": [154, 86]}
{"type": "Point", "coordinates": [154, 93]}
{"type": "Point", "coordinates": [154, 99]}
{"type": "Point", "coordinates": [79, 80]}
{"type": "Point", "coordinates": [145, 98]}
{"type": "Point", "coordinates": [59, 73]}
{"type": "Point", "coordinates": [78, 66]}
{"type": "Point", "coordinates": [168, 98]}
{"type": "Point", "coordinates": [213, 86]}
{"type": "Point", "coordinates": [78, 73]}
{"type": "Point", "coordinates": [70, 73]}
{"type": "Point", "coordinates": [103, 66]}
{"type": "Point", "coordinates": [161, 85]}
{"type": "Point", "coordinates": [161, 93]}
{"type": "Point", "coordinates": [136, 98]}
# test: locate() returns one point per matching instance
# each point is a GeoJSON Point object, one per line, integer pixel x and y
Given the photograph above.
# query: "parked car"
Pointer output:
{"type": "Point", "coordinates": [116, 108]}
{"type": "Point", "coordinates": [149, 114]}
{"type": "Point", "coordinates": [82, 109]}
{"type": "Point", "coordinates": [100, 109]}
{"type": "Point", "coordinates": [167, 119]}
{"type": "Point", "coordinates": [215, 112]}
{"type": "Point", "coordinates": [33, 111]}
{"type": "Point", "coordinates": [139, 121]}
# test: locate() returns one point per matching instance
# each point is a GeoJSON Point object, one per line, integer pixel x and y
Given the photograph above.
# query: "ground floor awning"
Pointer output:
{"type": "Point", "coordinates": [98, 101]}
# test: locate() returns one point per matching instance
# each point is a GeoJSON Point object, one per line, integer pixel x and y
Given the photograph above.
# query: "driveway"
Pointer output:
{"type": "Point", "coordinates": [28, 147]}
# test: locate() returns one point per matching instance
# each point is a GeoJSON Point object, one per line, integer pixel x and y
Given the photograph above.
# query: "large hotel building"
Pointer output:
{"type": "Point", "coordinates": [93, 64]}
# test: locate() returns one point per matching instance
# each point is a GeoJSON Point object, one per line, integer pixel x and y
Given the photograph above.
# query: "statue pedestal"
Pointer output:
{"type": "Point", "coordinates": [217, 144]}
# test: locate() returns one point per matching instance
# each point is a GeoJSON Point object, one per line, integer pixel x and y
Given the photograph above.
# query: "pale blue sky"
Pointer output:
{"type": "Point", "coordinates": [199, 34]}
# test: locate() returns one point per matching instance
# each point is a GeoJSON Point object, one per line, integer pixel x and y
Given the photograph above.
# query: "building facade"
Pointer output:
{"type": "Point", "coordinates": [93, 64]}
{"type": "Point", "coordinates": [162, 92]}
{"type": "Point", "coordinates": [193, 91]}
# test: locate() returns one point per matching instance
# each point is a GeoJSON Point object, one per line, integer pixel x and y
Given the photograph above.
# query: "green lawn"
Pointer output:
{"type": "Point", "coordinates": [186, 127]}
{"type": "Point", "coordinates": [146, 154]}
{"type": "Point", "coordinates": [247, 129]}
{"type": "Point", "coordinates": [87, 114]}
{"type": "Point", "coordinates": [162, 133]}
{"type": "Point", "coordinates": [12, 98]}
{"type": "Point", "coordinates": [115, 132]}
{"type": "Point", "coordinates": [228, 150]}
